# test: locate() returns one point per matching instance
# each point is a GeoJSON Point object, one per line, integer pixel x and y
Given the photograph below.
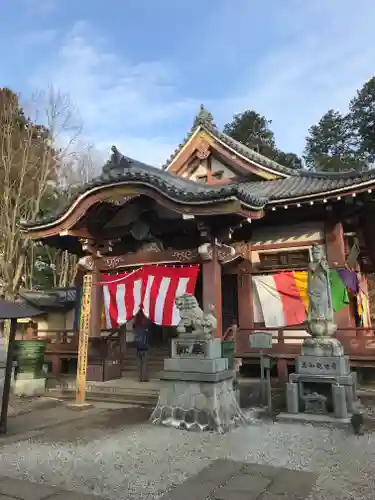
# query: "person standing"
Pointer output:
{"type": "Point", "coordinates": [142, 333]}
{"type": "Point", "coordinates": [31, 331]}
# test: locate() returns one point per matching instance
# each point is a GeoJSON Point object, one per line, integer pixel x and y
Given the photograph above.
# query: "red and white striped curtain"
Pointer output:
{"type": "Point", "coordinates": [152, 289]}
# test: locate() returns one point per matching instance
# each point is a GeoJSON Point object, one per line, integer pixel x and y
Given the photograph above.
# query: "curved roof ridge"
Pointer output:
{"type": "Point", "coordinates": [334, 175]}
{"type": "Point", "coordinates": [205, 120]}
{"type": "Point", "coordinates": [251, 154]}
{"type": "Point", "coordinates": [123, 169]}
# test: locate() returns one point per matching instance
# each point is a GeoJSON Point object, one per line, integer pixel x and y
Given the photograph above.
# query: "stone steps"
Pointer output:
{"type": "Point", "coordinates": [155, 362]}
{"type": "Point", "coordinates": [140, 396]}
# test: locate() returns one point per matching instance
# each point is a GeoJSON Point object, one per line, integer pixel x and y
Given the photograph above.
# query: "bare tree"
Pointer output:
{"type": "Point", "coordinates": [77, 169]}
{"type": "Point", "coordinates": [34, 142]}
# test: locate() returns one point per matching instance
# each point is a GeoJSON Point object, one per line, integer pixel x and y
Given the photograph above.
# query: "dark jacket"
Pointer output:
{"type": "Point", "coordinates": [141, 338]}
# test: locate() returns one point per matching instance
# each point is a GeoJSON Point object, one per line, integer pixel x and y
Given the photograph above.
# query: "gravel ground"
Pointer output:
{"type": "Point", "coordinates": [140, 461]}
{"type": "Point", "coordinates": [20, 406]}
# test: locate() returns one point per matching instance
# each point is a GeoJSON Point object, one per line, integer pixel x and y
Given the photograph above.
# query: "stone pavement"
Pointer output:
{"type": "Point", "coordinates": [14, 489]}
{"type": "Point", "coordinates": [221, 480]}
{"type": "Point", "coordinates": [229, 480]}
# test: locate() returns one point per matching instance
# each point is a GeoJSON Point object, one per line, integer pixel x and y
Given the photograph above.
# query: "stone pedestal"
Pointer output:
{"type": "Point", "coordinates": [197, 389]}
{"type": "Point", "coordinates": [322, 382]}
{"type": "Point", "coordinates": [28, 386]}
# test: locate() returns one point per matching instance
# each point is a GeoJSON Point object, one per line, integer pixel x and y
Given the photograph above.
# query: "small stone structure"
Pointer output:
{"type": "Point", "coordinates": [322, 382]}
{"type": "Point", "coordinates": [197, 387]}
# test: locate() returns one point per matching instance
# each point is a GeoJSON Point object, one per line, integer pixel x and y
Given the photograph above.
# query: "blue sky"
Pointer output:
{"type": "Point", "coordinates": [138, 70]}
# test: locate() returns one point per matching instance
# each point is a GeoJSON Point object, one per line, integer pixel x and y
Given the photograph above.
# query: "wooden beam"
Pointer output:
{"type": "Point", "coordinates": [155, 256]}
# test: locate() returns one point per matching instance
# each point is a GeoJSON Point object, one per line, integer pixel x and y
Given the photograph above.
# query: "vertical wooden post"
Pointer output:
{"type": "Point", "coordinates": [7, 377]}
{"type": "Point", "coordinates": [212, 295]}
{"type": "Point", "coordinates": [7, 327]}
{"type": "Point", "coordinates": [83, 345]}
{"type": "Point", "coordinates": [245, 303]}
{"type": "Point", "coordinates": [96, 303]}
{"type": "Point", "coordinates": [335, 249]}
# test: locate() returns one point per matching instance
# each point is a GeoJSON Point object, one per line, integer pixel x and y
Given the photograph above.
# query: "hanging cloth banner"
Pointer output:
{"type": "Point", "coordinates": [152, 289]}
{"type": "Point", "coordinates": [122, 297]}
{"type": "Point", "coordinates": [283, 297]}
{"type": "Point", "coordinates": [162, 285]}
{"type": "Point", "coordinates": [350, 278]}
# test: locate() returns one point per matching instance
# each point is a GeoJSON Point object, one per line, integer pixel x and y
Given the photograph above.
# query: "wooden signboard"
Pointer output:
{"type": "Point", "coordinates": [83, 345]}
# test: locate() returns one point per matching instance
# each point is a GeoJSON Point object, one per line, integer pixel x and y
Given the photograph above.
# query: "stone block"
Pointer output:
{"type": "Point", "coordinates": [292, 398]}
{"type": "Point", "coordinates": [196, 377]}
{"type": "Point", "coordinates": [340, 404]}
{"type": "Point", "coordinates": [293, 482]}
{"type": "Point", "coordinates": [247, 483]}
{"type": "Point", "coordinates": [323, 365]}
{"type": "Point", "coordinates": [24, 490]}
{"type": "Point", "coordinates": [188, 348]}
{"type": "Point", "coordinates": [198, 406]}
{"type": "Point", "coordinates": [196, 365]}
{"type": "Point", "coordinates": [29, 387]}
{"type": "Point", "coordinates": [262, 470]}
{"type": "Point", "coordinates": [190, 490]}
{"type": "Point", "coordinates": [322, 347]}
{"type": "Point", "coordinates": [347, 380]}
{"type": "Point", "coordinates": [219, 471]}
{"type": "Point", "coordinates": [224, 494]}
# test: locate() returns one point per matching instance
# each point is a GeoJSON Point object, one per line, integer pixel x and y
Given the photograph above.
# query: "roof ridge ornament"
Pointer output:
{"type": "Point", "coordinates": [116, 165]}
{"type": "Point", "coordinates": [204, 117]}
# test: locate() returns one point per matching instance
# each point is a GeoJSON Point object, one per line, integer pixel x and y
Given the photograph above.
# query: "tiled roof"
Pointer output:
{"type": "Point", "coordinates": [255, 195]}
{"type": "Point", "coordinates": [56, 298]}
{"type": "Point", "coordinates": [204, 121]}
{"type": "Point", "coordinates": [173, 187]}
{"type": "Point", "coordinates": [308, 183]}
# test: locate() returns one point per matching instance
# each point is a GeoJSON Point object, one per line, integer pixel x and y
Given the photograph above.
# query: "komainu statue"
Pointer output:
{"type": "Point", "coordinates": [194, 323]}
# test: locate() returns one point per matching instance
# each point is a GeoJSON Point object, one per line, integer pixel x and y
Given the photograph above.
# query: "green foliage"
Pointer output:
{"type": "Point", "coordinates": [252, 129]}
{"type": "Point", "coordinates": [330, 145]}
{"type": "Point", "coordinates": [337, 143]}
{"type": "Point", "coordinates": [362, 120]}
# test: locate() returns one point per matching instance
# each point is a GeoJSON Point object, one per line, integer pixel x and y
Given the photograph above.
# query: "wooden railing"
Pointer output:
{"type": "Point", "coordinates": [104, 353]}
{"type": "Point", "coordinates": [67, 339]}
{"type": "Point", "coordinates": [59, 340]}
{"type": "Point", "coordinates": [287, 341]}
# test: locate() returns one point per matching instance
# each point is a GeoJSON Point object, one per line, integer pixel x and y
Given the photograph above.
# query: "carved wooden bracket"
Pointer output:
{"type": "Point", "coordinates": [203, 155]}
{"type": "Point", "coordinates": [152, 255]}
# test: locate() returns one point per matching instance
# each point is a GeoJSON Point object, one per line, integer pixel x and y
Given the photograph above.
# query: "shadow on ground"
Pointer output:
{"type": "Point", "coordinates": [90, 427]}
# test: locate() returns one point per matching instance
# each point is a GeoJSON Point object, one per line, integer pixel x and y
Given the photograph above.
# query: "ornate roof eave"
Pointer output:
{"type": "Point", "coordinates": [127, 177]}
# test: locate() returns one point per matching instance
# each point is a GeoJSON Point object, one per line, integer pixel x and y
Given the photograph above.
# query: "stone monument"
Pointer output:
{"type": "Point", "coordinates": [197, 386]}
{"type": "Point", "coordinates": [322, 382]}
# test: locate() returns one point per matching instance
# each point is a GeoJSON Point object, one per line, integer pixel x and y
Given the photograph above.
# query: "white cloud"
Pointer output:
{"type": "Point", "coordinates": [323, 53]}
{"type": "Point", "coordinates": [290, 60]}
{"type": "Point", "coordinates": [116, 98]}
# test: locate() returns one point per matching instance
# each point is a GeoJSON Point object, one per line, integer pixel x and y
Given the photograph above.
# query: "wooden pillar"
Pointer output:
{"type": "Point", "coordinates": [83, 344]}
{"type": "Point", "coordinates": [335, 244]}
{"type": "Point", "coordinates": [245, 303]}
{"type": "Point", "coordinates": [245, 298]}
{"type": "Point", "coordinates": [211, 284]}
{"type": "Point", "coordinates": [96, 304]}
{"type": "Point", "coordinates": [245, 311]}
{"type": "Point", "coordinates": [336, 257]}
